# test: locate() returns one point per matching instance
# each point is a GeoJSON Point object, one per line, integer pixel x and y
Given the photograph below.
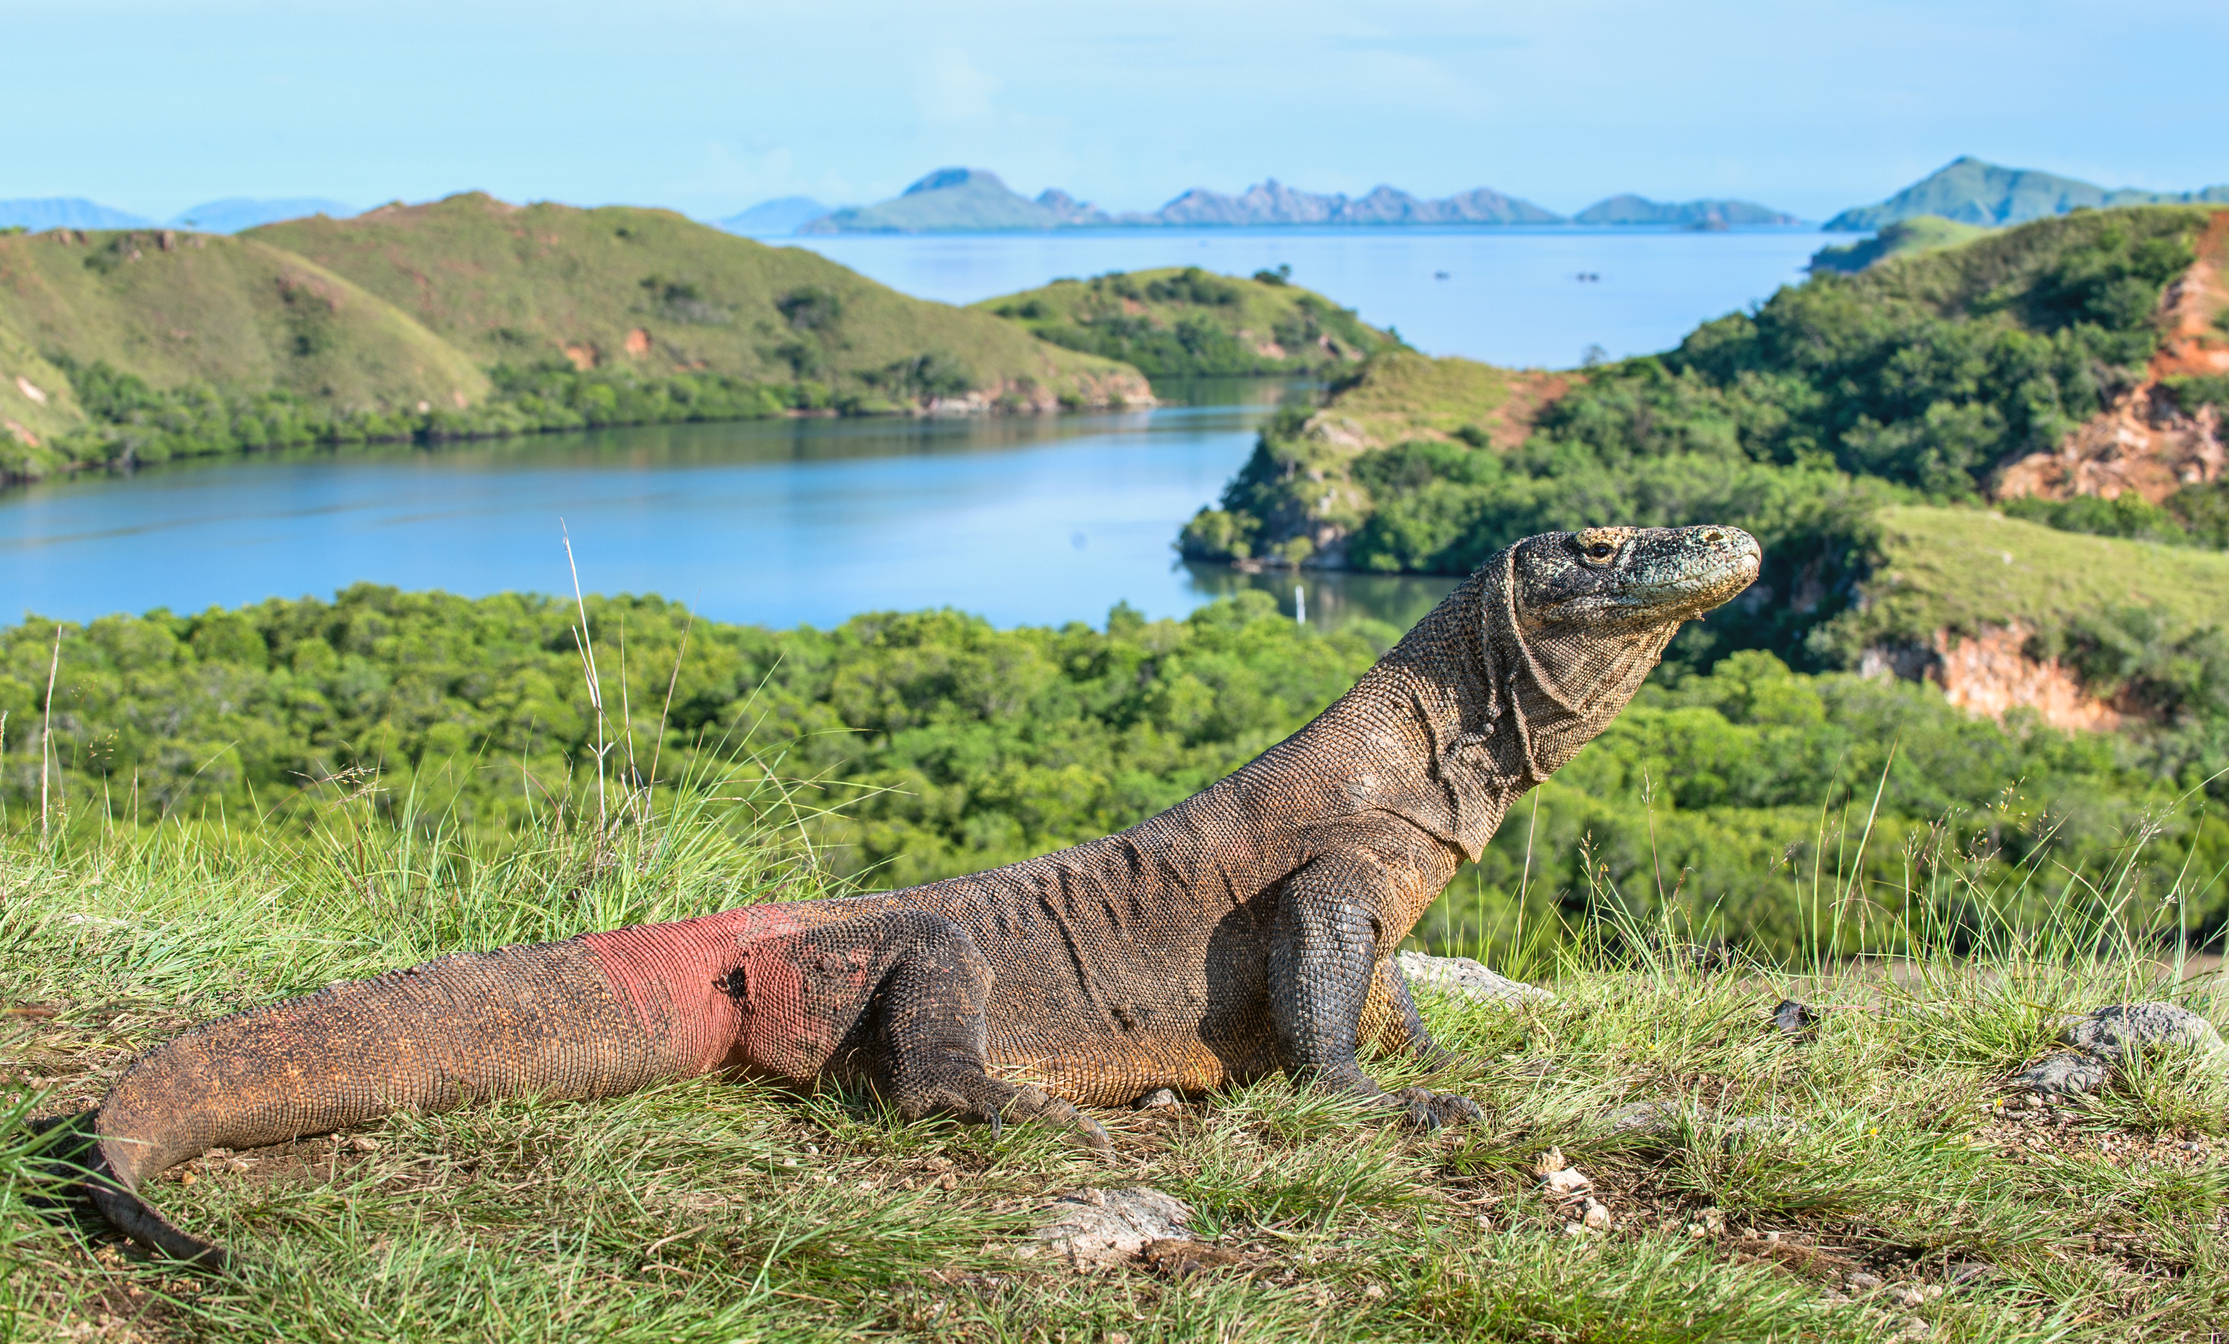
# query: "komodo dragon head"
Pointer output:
{"type": "Point", "coordinates": [1583, 617]}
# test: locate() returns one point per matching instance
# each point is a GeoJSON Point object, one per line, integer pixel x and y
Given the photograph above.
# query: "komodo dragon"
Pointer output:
{"type": "Point", "coordinates": [1247, 929]}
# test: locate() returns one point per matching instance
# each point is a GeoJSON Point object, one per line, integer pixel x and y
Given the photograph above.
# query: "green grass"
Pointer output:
{"type": "Point", "coordinates": [231, 313]}
{"type": "Point", "coordinates": [1185, 322]}
{"type": "Point", "coordinates": [520, 284]}
{"type": "Point", "coordinates": [1962, 569]}
{"type": "Point", "coordinates": [703, 1210]}
{"type": "Point", "coordinates": [1921, 233]}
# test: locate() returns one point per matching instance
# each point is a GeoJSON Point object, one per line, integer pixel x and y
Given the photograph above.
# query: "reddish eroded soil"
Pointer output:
{"type": "Point", "coordinates": [2144, 442]}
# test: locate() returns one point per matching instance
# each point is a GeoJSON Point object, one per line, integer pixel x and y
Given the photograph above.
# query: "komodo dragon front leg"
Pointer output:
{"type": "Point", "coordinates": [1332, 988]}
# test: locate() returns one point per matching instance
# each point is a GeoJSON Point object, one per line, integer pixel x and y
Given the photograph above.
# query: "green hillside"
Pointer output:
{"type": "Point", "coordinates": [947, 200]}
{"type": "Point", "coordinates": [1920, 233]}
{"type": "Point", "coordinates": [1968, 190]}
{"type": "Point", "coordinates": [649, 290]}
{"type": "Point", "coordinates": [1907, 382]}
{"type": "Point", "coordinates": [471, 317]}
{"type": "Point", "coordinates": [233, 313]}
{"type": "Point", "coordinates": [1185, 322]}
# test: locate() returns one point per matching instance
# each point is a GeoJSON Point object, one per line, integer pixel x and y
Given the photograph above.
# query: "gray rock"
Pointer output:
{"type": "Point", "coordinates": [1158, 1099]}
{"type": "Point", "coordinates": [2114, 1030]}
{"type": "Point", "coordinates": [2105, 1039]}
{"type": "Point", "coordinates": [1099, 1228]}
{"type": "Point", "coordinates": [1794, 1018]}
{"type": "Point", "coordinates": [1645, 1117]}
{"type": "Point", "coordinates": [2064, 1075]}
{"type": "Point", "coordinates": [1461, 975]}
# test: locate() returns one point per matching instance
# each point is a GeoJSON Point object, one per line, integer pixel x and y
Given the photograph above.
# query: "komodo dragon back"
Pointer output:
{"type": "Point", "coordinates": [1248, 929]}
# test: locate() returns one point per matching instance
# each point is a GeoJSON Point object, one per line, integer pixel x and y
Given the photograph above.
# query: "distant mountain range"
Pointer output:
{"type": "Point", "coordinates": [230, 215]}
{"type": "Point", "coordinates": [1968, 190]}
{"type": "Point", "coordinates": [66, 212]}
{"type": "Point", "coordinates": [975, 200]}
{"type": "Point", "coordinates": [785, 215]}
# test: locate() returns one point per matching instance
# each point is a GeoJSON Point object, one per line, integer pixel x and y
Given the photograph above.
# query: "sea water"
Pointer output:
{"type": "Point", "coordinates": [1023, 519]}
{"type": "Point", "coordinates": [1524, 297]}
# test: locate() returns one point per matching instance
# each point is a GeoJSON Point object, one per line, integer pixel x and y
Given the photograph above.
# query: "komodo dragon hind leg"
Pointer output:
{"type": "Point", "coordinates": [1326, 975]}
{"type": "Point", "coordinates": [929, 1036]}
{"type": "Point", "coordinates": [1403, 1031]}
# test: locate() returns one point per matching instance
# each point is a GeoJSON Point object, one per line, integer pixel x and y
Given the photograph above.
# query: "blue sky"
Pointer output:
{"type": "Point", "coordinates": [710, 107]}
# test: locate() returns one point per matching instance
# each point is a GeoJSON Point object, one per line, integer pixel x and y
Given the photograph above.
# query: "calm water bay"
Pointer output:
{"type": "Point", "coordinates": [1023, 519]}
{"type": "Point", "coordinates": [1509, 296]}
{"type": "Point", "coordinates": [1037, 520]}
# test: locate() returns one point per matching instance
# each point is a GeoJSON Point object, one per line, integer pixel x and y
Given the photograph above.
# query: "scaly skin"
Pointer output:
{"type": "Point", "coordinates": [1248, 929]}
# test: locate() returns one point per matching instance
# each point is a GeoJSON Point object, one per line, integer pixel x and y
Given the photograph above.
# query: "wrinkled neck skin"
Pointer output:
{"type": "Point", "coordinates": [1502, 701]}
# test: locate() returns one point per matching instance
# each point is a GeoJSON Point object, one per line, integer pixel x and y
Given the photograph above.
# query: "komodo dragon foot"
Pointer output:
{"type": "Point", "coordinates": [1419, 1108]}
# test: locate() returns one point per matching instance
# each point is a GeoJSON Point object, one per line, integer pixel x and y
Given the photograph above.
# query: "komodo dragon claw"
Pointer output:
{"type": "Point", "coordinates": [1428, 1111]}
{"type": "Point", "coordinates": [1239, 933]}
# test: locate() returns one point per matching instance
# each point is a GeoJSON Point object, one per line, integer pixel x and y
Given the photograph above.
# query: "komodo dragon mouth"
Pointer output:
{"type": "Point", "coordinates": [1247, 930]}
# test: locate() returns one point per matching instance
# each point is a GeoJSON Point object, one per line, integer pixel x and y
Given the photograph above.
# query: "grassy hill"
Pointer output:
{"type": "Point", "coordinates": [1907, 382]}
{"type": "Point", "coordinates": [471, 317]}
{"type": "Point", "coordinates": [232, 313]}
{"type": "Point", "coordinates": [650, 290]}
{"type": "Point", "coordinates": [1185, 322]}
{"type": "Point", "coordinates": [1920, 233]}
{"type": "Point", "coordinates": [1968, 190]}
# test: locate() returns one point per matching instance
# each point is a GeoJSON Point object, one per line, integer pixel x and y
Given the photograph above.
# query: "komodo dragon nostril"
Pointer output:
{"type": "Point", "coordinates": [1714, 536]}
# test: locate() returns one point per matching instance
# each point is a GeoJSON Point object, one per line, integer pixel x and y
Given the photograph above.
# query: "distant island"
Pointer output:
{"type": "Point", "coordinates": [1968, 190]}
{"type": "Point", "coordinates": [230, 215]}
{"type": "Point", "coordinates": [975, 200]}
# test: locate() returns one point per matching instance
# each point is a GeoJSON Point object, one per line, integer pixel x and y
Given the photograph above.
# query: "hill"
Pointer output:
{"type": "Point", "coordinates": [1184, 322]}
{"type": "Point", "coordinates": [235, 314]}
{"type": "Point", "coordinates": [651, 291]}
{"type": "Point", "coordinates": [235, 213]}
{"type": "Point", "coordinates": [1920, 233]}
{"type": "Point", "coordinates": [1272, 203]}
{"type": "Point", "coordinates": [1629, 209]}
{"type": "Point", "coordinates": [947, 200]}
{"type": "Point", "coordinates": [784, 215]}
{"type": "Point", "coordinates": [65, 212]}
{"type": "Point", "coordinates": [1968, 190]}
{"type": "Point", "coordinates": [1918, 379]}
{"type": "Point", "coordinates": [972, 199]}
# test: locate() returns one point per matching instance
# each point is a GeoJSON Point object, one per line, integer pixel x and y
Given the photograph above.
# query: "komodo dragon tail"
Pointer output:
{"type": "Point", "coordinates": [589, 1017]}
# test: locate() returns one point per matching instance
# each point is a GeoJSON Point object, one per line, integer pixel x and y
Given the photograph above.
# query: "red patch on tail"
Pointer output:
{"type": "Point", "coordinates": [678, 977]}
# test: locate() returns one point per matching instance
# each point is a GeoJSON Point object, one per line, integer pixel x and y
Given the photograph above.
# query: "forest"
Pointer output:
{"type": "Point", "coordinates": [913, 746]}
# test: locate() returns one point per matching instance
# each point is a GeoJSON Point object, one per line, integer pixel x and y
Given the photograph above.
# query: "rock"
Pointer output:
{"type": "Point", "coordinates": [1597, 1215]}
{"type": "Point", "coordinates": [2105, 1039]}
{"type": "Point", "coordinates": [1794, 1018]}
{"type": "Point", "coordinates": [1461, 975]}
{"type": "Point", "coordinates": [1644, 1117]}
{"type": "Point", "coordinates": [1551, 1161]}
{"type": "Point", "coordinates": [2114, 1030]}
{"type": "Point", "coordinates": [2064, 1075]}
{"type": "Point", "coordinates": [362, 1143]}
{"type": "Point", "coordinates": [1158, 1099]}
{"type": "Point", "coordinates": [1099, 1228]}
{"type": "Point", "coordinates": [1862, 1282]}
{"type": "Point", "coordinates": [1915, 1328]}
{"type": "Point", "coordinates": [1566, 1183]}
{"type": "Point", "coordinates": [1967, 1272]}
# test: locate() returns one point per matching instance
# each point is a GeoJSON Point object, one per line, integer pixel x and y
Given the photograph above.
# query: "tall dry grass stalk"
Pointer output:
{"type": "Point", "coordinates": [46, 733]}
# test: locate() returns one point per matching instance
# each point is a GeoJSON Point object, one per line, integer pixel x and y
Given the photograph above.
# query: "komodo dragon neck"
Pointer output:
{"type": "Point", "coordinates": [1455, 723]}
